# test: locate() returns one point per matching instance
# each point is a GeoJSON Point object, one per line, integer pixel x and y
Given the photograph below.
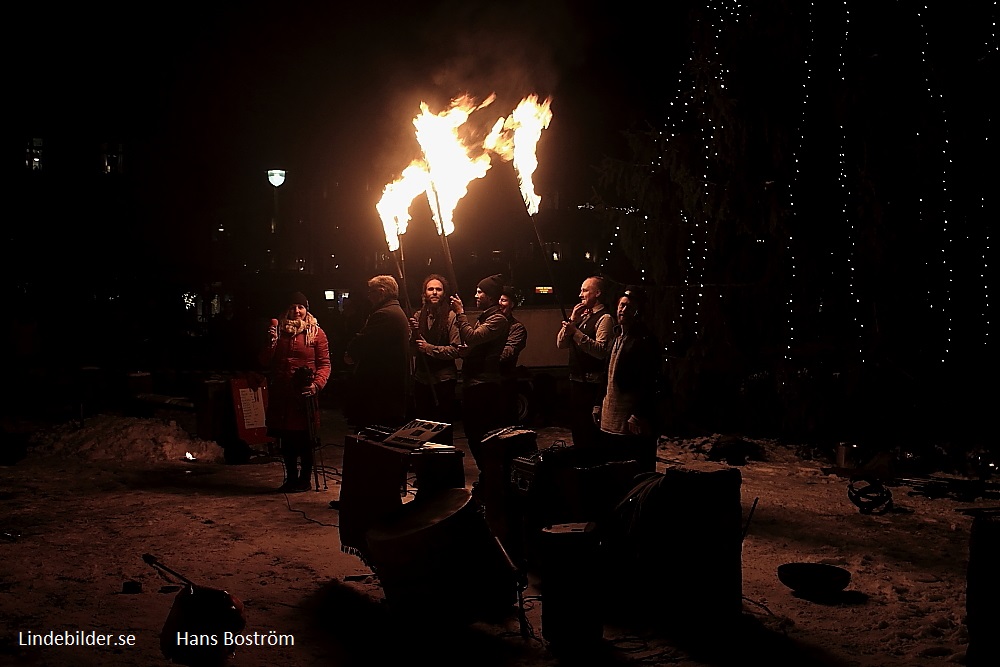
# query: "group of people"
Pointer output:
{"type": "Point", "coordinates": [394, 357]}
{"type": "Point", "coordinates": [613, 372]}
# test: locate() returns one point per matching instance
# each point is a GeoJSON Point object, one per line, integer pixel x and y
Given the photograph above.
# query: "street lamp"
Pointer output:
{"type": "Point", "coordinates": [276, 177]}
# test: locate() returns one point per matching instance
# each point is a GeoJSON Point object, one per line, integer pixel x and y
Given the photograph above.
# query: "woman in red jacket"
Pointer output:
{"type": "Point", "coordinates": [298, 363]}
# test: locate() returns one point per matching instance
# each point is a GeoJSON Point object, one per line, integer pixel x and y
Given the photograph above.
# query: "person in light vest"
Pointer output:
{"type": "Point", "coordinates": [587, 334]}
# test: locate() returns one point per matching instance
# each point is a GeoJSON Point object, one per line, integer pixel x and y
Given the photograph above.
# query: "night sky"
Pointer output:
{"type": "Point", "coordinates": [874, 117]}
{"type": "Point", "coordinates": [211, 96]}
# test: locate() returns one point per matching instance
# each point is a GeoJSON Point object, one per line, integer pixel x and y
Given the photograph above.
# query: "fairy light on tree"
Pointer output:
{"type": "Point", "coordinates": [852, 296]}
{"type": "Point", "coordinates": [940, 305]}
{"type": "Point", "coordinates": [797, 174]}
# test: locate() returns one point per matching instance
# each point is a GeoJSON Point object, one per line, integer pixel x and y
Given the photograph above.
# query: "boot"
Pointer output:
{"type": "Point", "coordinates": [304, 483]}
{"type": "Point", "coordinates": [291, 476]}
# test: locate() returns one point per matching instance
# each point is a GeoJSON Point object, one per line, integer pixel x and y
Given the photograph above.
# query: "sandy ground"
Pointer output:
{"type": "Point", "coordinates": [90, 499]}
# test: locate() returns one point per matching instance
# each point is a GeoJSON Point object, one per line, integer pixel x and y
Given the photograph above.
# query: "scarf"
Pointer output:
{"type": "Point", "coordinates": [294, 327]}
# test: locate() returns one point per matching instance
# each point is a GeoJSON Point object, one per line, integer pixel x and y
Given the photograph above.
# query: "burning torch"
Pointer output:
{"type": "Point", "coordinates": [516, 140]}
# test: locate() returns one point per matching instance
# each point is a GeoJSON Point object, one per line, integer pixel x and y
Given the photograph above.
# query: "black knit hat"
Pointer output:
{"type": "Point", "coordinates": [636, 295]}
{"type": "Point", "coordinates": [298, 297]}
{"type": "Point", "coordinates": [492, 286]}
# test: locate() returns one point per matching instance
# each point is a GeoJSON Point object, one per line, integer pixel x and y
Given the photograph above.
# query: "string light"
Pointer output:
{"type": "Point", "coordinates": [944, 308]}
{"type": "Point", "coordinates": [990, 46]}
{"type": "Point", "coordinates": [852, 298]}
{"type": "Point", "coordinates": [790, 244]}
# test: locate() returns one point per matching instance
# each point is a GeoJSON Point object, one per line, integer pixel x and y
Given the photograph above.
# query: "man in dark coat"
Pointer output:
{"type": "Point", "coordinates": [380, 356]}
{"type": "Point", "coordinates": [517, 340]}
{"type": "Point", "coordinates": [627, 416]}
{"type": "Point", "coordinates": [482, 395]}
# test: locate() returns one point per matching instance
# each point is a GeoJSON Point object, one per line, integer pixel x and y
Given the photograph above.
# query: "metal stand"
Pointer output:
{"type": "Point", "coordinates": [315, 443]}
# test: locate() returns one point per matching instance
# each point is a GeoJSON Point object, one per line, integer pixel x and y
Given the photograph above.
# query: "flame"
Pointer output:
{"type": "Point", "coordinates": [526, 125]}
{"type": "Point", "coordinates": [446, 168]}
{"type": "Point", "coordinates": [188, 456]}
{"type": "Point", "coordinates": [394, 206]}
{"type": "Point", "coordinates": [447, 158]}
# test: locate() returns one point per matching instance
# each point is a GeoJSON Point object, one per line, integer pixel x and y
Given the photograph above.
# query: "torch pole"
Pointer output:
{"type": "Point", "coordinates": [401, 269]}
{"type": "Point", "coordinates": [548, 265]}
{"type": "Point", "coordinates": [444, 240]}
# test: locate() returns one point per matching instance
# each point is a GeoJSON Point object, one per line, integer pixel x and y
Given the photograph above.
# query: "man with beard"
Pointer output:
{"type": "Point", "coordinates": [587, 333]}
{"type": "Point", "coordinates": [436, 341]}
{"type": "Point", "coordinates": [482, 396]}
{"type": "Point", "coordinates": [517, 339]}
{"type": "Point", "coordinates": [628, 411]}
{"type": "Point", "coordinates": [380, 355]}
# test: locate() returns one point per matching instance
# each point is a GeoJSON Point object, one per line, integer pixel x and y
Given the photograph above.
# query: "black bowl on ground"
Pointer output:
{"type": "Point", "coordinates": [811, 579]}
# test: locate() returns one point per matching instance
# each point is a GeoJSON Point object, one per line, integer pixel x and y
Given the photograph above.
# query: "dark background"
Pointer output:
{"type": "Point", "coordinates": [815, 232]}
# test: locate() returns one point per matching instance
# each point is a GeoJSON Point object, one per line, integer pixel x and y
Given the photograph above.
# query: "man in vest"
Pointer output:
{"type": "Point", "coordinates": [587, 334]}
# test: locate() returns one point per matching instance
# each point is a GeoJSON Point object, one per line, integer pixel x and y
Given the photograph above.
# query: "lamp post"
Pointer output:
{"type": "Point", "coordinates": [276, 177]}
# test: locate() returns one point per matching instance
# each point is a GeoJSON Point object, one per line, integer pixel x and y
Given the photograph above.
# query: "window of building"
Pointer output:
{"type": "Point", "coordinates": [33, 156]}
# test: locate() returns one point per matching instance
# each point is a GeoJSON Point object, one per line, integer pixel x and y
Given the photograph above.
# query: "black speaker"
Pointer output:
{"type": "Point", "coordinates": [501, 508]}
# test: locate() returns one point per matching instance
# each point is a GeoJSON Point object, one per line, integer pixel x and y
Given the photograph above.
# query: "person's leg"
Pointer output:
{"type": "Point", "coordinates": [585, 433]}
{"type": "Point", "coordinates": [306, 456]}
{"type": "Point", "coordinates": [482, 411]}
{"type": "Point", "coordinates": [289, 455]}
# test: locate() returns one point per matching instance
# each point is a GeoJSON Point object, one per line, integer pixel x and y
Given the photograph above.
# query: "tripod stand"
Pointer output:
{"type": "Point", "coordinates": [315, 441]}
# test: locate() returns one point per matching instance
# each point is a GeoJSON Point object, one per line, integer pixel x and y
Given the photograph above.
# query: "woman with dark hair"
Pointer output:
{"type": "Point", "coordinates": [436, 343]}
{"type": "Point", "coordinates": [298, 361]}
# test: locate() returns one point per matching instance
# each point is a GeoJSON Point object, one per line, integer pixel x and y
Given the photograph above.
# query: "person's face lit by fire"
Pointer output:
{"type": "Point", "coordinates": [506, 304]}
{"type": "Point", "coordinates": [589, 294]}
{"type": "Point", "coordinates": [296, 311]}
{"type": "Point", "coordinates": [483, 300]}
{"type": "Point", "coordinates": [627, 311]}
{"type": "Point", "coordinates": [434, 292]}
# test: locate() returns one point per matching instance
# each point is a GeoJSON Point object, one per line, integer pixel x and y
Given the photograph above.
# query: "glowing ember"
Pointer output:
{"type": "Point", "coordinates": [189, 457]}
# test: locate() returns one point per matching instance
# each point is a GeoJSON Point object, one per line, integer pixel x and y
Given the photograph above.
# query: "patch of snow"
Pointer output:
{"type": "Point", "coordinates": [118, 438]}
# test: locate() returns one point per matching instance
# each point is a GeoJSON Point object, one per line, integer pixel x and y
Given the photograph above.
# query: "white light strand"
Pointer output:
{"type": "Point", "coordinates": [852, 298]}
{"type": "Point", "coordinates": [790, 247]}
{"type": "Point", "coordinates": [990, 46]}
{"type": "Point", "coordinates": [944, 308]}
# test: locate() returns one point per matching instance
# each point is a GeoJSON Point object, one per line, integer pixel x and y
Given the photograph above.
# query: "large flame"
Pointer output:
{"type": "Point", "coordinates": [525, 126]}
{"type": "Point", "coordinates": [394, 207]}
{"type": "Point", "coordinates": [449, 165]}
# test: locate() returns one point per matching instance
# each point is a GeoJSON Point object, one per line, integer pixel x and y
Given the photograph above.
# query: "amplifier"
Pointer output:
{"type": "Point", "coordinates": [529, 473]}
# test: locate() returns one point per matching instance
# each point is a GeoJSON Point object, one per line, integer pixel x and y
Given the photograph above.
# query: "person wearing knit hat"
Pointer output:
{"type": "Point", "coordinates": [298, 363]}
{"type": "Point", "coordinates": [298, 298]}
{"type": "Point", "coordinates": [517, 340]}
{"type": "Point", "coordinates": [492, 286]}
{"type": "Point", "coordinates": [484, 340]}
{"type": "Point", "coordinates": [627, 417]}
